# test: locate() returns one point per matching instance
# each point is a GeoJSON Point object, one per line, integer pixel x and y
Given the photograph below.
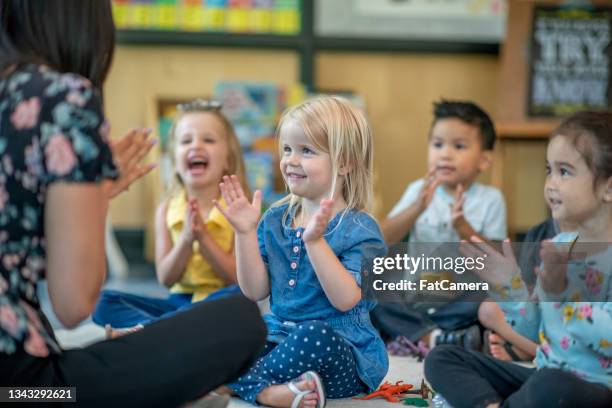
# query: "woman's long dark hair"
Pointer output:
{"type": "Point", "coordinates": [75, 36]}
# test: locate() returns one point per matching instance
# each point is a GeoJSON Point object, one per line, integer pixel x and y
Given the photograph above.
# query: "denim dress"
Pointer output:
{"type": "Point", "coordinates": [296, 295]}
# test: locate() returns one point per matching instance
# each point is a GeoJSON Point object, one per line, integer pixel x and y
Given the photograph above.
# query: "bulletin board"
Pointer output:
{"type": "Point", "coordinates": [277, 17]}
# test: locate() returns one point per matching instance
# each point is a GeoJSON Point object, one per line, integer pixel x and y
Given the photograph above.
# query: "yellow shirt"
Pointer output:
{"type": "Point", "coordinates": [199, 277]}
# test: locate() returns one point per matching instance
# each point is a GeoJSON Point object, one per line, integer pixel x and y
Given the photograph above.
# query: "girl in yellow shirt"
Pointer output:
{"type": "Point", "coordinates": [194, 254]}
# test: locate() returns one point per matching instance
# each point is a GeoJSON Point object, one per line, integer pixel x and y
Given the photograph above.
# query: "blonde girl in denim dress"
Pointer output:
{"type": "Point", "coordinates": [306, 253]}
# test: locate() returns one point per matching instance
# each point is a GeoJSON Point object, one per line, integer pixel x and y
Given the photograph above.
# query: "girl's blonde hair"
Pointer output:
{"type": "Point", "coordinates": [235, 162]}
{"type": "Point", "coordinates": [340, 129]}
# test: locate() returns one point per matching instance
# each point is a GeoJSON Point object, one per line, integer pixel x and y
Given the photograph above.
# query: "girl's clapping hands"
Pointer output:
{"type": "Point", "coordinates": [242, 214]}
{"type": "Point", "coordinates": [318, 223]}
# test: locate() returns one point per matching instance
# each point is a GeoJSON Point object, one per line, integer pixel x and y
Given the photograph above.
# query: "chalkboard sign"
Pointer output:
{"type": "Point", "coordinates": [571, 58]}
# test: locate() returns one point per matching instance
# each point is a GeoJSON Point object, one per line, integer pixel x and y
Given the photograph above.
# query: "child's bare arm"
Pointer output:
{"type": "Point", "coordinates": [251, 271]}
{"type": "Point", "coordinates": [508, 289]}
{"type": "Point", "coordinates": [465, 230]}
{"type": "Point", "coordinates": [222, 262]}
{"type": "Point", "coordinates": [244, 216]}
{"type": "Point", "coordinates": [397, 227]}
{"type": "Point", "coordinates": [460, 224]}
{"type": "Point", "coordinates": [170, 260]}
{"type": "Point", "coordinates": [337, 283]}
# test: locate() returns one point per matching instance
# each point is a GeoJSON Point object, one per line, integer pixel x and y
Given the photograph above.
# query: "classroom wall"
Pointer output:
{"type": "Point", "coordinates": [524, 177]}
{"type": "Point", "coordinates": [399, 90]}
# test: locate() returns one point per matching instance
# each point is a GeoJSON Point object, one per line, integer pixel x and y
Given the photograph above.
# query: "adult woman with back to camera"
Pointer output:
{"type": "Point", "coordinates": [56, 177]}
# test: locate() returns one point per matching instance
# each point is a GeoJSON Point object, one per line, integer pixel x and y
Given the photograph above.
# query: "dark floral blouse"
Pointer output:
{"type": "Point", "coordinates": [52, 128]}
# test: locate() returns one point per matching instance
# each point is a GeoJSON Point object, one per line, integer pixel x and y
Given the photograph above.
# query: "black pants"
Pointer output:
{"type": "Point", "coordinates": [166, 364]}
{"type": "Point", "coordinates": [394, 316]}
{"type": "Point", "coordinates": [470, 379]}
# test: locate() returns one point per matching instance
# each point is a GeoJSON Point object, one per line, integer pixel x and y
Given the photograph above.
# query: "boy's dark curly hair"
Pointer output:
{"type": "Point", "coordinates": [470, 113]}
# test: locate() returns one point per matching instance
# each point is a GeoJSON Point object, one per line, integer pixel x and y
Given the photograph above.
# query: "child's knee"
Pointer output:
{"type": "Point", "coordinates": [555, 385]}
{"type": "Point", "coordinates": [490, 314]}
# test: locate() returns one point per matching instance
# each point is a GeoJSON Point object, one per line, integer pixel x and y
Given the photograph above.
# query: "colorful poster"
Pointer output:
{"type": "Point", "coordinates": [191, 15]}
{"type": "Point", "coordinates": [260, 173]}
{"type": "Point", "coordinates": [281, 17]}
{"type": "Point", "coordinates": [286, 17]}
{"type": "Point", "coordinates": [248, 101]}
{"type": "Point", "coordinates": [166, 14]}
{"type": "Point", "coordinates": [140, 14]}
{"type": "Point", "coordinates": [120, 13]}
{"type": "Point", "coordinates": [238, 15]}
{"type": "Point", "coordinates": [261, 16]}
{"type": "Point", "coordinates": [215, 15]}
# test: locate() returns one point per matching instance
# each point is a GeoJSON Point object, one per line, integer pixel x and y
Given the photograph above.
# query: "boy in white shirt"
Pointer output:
{"type": "Point", "coordinates": [448, 205]}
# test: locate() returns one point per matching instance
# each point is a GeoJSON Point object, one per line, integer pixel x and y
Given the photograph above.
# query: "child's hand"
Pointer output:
{"type": "Point", "coordinates": [428, 190]}
{"type": "Point", "coordinates": [187, 233]}
{"type": "Point", "coordinates": [457, 207]}
{"type": "Point", "coordinates": [500, 269]}
{"type": "Point", "coordinates": [198, 228]}
{"type": "Point", "coordinates": [193, 225]}
{"type": "Point", "coordinates": [318, 223]}
{"type": "Point", "coordinates": [553, 274]}
{"type": "Point", "coordinates": [239, 212]}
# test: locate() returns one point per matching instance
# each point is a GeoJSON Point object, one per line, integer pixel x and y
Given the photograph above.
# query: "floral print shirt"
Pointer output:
{"type": "Point", "coordinates": [52, 128]}
{"type": "Point", "coordinates": [573, 328]}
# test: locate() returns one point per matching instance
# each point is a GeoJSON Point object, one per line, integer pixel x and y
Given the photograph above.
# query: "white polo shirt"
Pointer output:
{"type": "Point", "coordinates": [484, 208]}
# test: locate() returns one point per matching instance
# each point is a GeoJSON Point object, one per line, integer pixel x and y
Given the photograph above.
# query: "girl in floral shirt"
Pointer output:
{"type": "Point", "coordinates": [570, 311]}
{"type": "Point", "coordinates": [57, 175]}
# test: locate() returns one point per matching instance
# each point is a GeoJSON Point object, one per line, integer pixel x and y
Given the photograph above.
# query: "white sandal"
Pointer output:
{"type": "Point", "coordinates": [300, 394]}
